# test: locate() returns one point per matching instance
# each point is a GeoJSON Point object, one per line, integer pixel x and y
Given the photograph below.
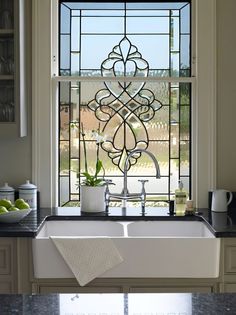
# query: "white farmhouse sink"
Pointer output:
{"type": "Point", "coordinates": [169, 229]}
{"type": "Point", "coordinates": [150, 249]}
{"type": "Point", "coordinates": [80, 228]}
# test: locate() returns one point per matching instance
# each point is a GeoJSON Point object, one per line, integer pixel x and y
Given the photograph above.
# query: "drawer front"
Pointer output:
{"type": "Point", "coordinates": [230, 259]}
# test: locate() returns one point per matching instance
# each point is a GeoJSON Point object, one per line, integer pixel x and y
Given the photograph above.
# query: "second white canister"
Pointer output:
{"type": "Point", "coordinates": [7, 192]}
{"type": "Point", "coordinates": [28, 192]}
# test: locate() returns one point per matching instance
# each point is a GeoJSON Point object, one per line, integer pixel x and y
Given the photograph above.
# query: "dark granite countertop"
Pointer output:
{"type": "Point", "coordinates": [221, 224]}
{"type": "Point", "coordinates": [119, 304]}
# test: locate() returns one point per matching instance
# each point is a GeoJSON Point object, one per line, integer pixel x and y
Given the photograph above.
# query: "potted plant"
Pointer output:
{"type": "Point", "coordinates": [92, 189]}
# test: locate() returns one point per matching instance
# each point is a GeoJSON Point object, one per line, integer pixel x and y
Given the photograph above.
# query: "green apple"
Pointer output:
{"type": "Point", "coordinates": [5, 203]}
{"type": "Point", "coordinates": [18, 202]}
{"type": "Point", "coordinates": [3, 210]}
{"type": "Point", "coordinates": [13, 208]}
{"type": "Point", "coordinates": [23, 205]}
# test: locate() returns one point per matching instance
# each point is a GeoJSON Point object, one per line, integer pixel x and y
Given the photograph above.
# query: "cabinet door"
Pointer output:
{"type": "Point", "coordinates": [7, 265]}
{"type": "Point", "coordinates": [230, 259]}
{"type": "Point", "coordinates": [13, 113]}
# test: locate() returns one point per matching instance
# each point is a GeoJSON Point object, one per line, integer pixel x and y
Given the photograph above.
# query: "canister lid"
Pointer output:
{"type": "Point", "coordinates": [27, 185]}
{"type": "Point", "coordinates": [6, 188]}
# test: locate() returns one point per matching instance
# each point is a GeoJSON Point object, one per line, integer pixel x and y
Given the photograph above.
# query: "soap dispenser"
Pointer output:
{"type": "Point", "coordinates": [180, 198]}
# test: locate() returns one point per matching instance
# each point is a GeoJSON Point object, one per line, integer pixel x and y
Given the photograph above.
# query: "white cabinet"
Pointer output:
{"type": "Point", "coordinates": [13, 100]}
{"type": "Point", "coordinates": [229, 265]}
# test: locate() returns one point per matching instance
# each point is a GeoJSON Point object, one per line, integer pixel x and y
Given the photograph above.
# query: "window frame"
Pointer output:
{"type": "Point", "coordinates": [44, 90]}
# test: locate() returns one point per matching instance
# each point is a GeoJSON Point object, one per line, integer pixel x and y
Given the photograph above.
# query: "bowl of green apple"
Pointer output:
{"type": "Point", "coordinates": [13, 213]}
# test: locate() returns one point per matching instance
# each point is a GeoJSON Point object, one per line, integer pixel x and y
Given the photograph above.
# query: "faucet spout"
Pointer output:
{"type": "Point", "coordinates": [150, 154]}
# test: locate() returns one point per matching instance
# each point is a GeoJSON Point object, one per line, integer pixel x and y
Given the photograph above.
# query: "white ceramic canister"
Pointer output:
{"type": "Point", "coordinates": [28, 192]}
{"type": "Point", "coordinates": [7, 192]}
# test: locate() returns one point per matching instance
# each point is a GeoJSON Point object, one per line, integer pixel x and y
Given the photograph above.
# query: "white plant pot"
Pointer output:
{"type": "Point", "coordinates": [92, 199]}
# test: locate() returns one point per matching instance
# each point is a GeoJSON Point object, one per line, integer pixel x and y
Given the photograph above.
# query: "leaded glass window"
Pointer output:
{"type": "Point", "coordinates": [124, 68]}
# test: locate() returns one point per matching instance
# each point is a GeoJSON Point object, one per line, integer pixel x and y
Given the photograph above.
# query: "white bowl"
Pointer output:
{"type": "Point", "coordinates": [14, 216]}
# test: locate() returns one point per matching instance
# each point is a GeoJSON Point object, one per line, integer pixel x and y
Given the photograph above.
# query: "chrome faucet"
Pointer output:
{"type": "Point", "coordinates": [125, 195]}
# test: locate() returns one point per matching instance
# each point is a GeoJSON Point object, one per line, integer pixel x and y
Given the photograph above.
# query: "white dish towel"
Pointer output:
{"type": "Point", "coordinates": [88, 258]}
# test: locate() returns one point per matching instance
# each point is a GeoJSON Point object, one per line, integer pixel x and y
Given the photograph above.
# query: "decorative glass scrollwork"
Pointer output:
{"type": "Point", "coordinates": [124, 107]}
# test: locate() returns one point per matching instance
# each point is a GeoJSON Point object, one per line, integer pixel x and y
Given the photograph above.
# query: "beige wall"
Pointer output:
{"type": "Point", "coordinates": [15, 154]}
{"type": "Point", "coordinates": [226, 94]}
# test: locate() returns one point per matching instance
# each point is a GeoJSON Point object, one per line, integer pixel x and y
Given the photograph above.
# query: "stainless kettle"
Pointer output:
{"type": "Point", "coordinates": [220, 200]}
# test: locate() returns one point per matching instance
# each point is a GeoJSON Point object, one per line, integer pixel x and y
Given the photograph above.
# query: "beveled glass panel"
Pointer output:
{"type": "Point", "coordinates": [102, 25]}
{"type": "Point", "coordinates": [174, 174]}
{"type": "Point", "coordinates": [186, 182]}
{"type": "Point", "coordinates": [151, 25]}
{"type": "Point", "coordinates": [130, 114]}
{"type": "Point", "coordinates": [101, 13]}
{"type": "Point", "coordinates": [75, 104]}
{"type": "Point", "coordinates": [160, 91]}
{"type": "Point", "coordinates": [184, 158]}
{"type": "Point", "coordinates": [174, 141]}
{"type": "Point", "coordinates": [185, 123]}
{"type": "Point", "coordinates": [156, 185]}
{"type": "Point", "coordinates": [148, 13]}
{"type": "Point", "coordinates": [64, 190]}
{"type": "Point", "coordinates": [145, 166]}
{"type": "Point", "coordinates": [64, 92]}
{"type": "Point", "coordinates": [174, 12]}
{"type": "Point", "coordinates": [90, 44]}
{"type": "Point", "coordinates": [89, 121]}
{"type": "Point", "coordinates": [64, 158]}
{"type": "Point", "coordinates": [75, 196]}
{"type": "Point", "coordinates": [174, 115]}
{"type": "Point", "coordinates": [65, 19]}
{"type": "Point", "coordinates": [75, 31]}
{"type": "Point", "coordinates": [185, 52]}
{"type": "Point", "coordinates": [158, 127]}
{"type": "Point", "coordinates": [174, 64]}
{"type": "Point", "coordinates": [74, 173]}
{"type": "Point", "coordinates": [74, 139]}
{"type": "Point", "coordinates": [64, 122]}
{"type": "Point", "coordinates": [166, 5]}
{"type": "Point", "coordinates": [88, 91]}
{"type": "Point", "coordinates": [174, 34]}
{"type": "Point", "coordinates": [110, 168]}
{"type": "Point", "coordinates": [158, 55]}
{"type": "Point", "coordinates": [185, 92]}
{"type": "Point", "coordinates": [91, 149]}
{"type": "Point", "coordinates": [65, 52]}
{"type": "Point", "coordinates": [75, 63]}
{"type": "Point", "coordinates": [158, 73]}
{"type": "Point", "coordinates": [174, 97]}
{"type": "Point", "coordinates": [185, 19]}
{"type": "Point", "coordinates": [78, 5]}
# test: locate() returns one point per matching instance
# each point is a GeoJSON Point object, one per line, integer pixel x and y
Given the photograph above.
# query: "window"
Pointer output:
{"type": "Point", "coordinates": [142, 41]}
{"type": "Point", "coordinates": [46, 81]}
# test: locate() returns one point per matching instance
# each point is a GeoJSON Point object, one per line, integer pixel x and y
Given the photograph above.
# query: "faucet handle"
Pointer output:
{"type": "Point", "coordinates": [143, 182]}
{"type": "Point", "coordinates": [109, 182]}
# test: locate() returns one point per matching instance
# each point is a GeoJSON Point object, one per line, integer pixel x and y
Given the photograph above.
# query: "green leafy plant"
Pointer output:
{"type": "Point", "coordinates": [92, 179]}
